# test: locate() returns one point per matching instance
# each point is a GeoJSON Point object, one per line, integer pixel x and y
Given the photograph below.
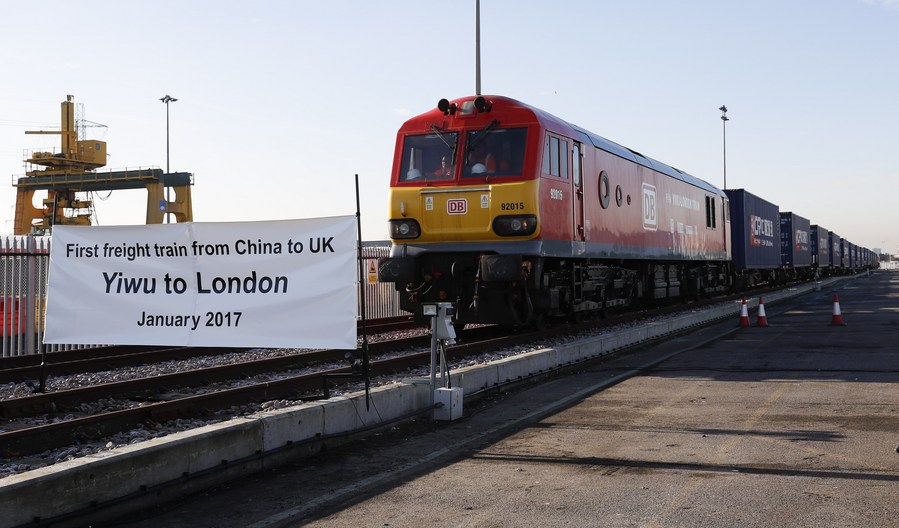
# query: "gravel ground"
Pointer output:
{"type": "Point", "coordinates": [11, 466]}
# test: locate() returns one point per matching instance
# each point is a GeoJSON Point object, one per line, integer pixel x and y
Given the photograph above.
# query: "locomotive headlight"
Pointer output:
{"type": "Point", "coordinates": [404, 229]}
{"type": "Point", "coordinates": [515, 225]}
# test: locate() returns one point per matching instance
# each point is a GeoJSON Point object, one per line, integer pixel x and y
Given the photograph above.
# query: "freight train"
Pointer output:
{"type": "Point", "coordinates": [516, 216]}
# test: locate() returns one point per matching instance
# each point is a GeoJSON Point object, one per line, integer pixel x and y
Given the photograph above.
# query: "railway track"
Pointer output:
{"type": "Point", "coordinates": [162, 398]}
{"type": "Point", "coordinates": [304, 376]}
{"type": "Point", "coordinates": [38, 367]}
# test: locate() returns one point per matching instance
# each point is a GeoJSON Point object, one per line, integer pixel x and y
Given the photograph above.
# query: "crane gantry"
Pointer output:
{"type": "Point", "coordinates": [73, 170]}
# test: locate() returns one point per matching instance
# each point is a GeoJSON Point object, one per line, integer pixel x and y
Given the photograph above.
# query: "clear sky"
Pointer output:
{"type": "Point", "coordinates": [280, 103]}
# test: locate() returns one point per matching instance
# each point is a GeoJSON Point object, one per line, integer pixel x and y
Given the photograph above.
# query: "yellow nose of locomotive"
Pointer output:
{"type": "Point", "coordinates": [464, 213]}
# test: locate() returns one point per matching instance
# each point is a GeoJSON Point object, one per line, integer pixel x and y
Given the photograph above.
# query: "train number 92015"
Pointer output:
{"type": "Point", "coordinates": [511, 206]}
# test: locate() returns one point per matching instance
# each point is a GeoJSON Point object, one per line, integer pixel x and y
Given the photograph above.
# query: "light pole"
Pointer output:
{"type": "Point", "coordinates": [724, 121]}
{"type": "Point", "coordinates": [477, 47]}
{"type": "Point", "coordinates": [166, 99]}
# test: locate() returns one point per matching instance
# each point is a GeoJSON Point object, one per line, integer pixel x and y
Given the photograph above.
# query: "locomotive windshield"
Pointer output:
{"type": "Point", "coordinates": [495, 152]}
{"type": "Point", "coordinates": [488, 152]}
{"type": "Point", "coordinates": [429, 157]}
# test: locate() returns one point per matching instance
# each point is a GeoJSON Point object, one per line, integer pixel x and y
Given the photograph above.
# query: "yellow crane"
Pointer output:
{"type": "Point", "coordinates": [73, 170]}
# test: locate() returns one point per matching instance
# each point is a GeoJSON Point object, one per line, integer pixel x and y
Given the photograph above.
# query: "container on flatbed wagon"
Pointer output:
{"type": "Point", "coordinates": [795, 241]}
{"type": "Point", "coordinates": [755, 231]}
{"type": "Point", "coordinates": [836, 250]}
{"type": "Point", "coordinates": [820, 240]}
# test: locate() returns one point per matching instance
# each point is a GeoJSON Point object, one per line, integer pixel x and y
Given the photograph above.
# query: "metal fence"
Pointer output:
{"type": "Point", "coordinates": [381, 299]}
{"type": "Point", "coordinates": [24, 266]}
{"type": "Point", "coordinates": [23, 292]}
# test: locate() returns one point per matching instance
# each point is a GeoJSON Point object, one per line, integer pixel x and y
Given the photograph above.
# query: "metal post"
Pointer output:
{"type": "Point", "coordinates": [361, 263]}
{"type": "Point", "coordinates": [724, 121]}
{"type": "Point", "coordinates": [433, 385]}
{"type": "Point", "coordinates": [167, 99]}
{"type": "Point", "coordinates": [477, 47]}
{"type": "Point", "coordinates": [31, 293]}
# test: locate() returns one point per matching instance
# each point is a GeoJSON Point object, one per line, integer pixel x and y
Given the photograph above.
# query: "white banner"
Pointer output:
{"type": "Point", "coordinates": [289, 283]}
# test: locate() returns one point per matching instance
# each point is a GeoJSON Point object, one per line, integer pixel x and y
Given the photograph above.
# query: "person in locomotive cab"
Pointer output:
{"type": "Point", "coordinates": [446, 168]}
{"type": "Point", "coordinates": [481, 161]}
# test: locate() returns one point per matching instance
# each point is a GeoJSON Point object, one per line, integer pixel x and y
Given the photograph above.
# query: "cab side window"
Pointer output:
{"type": "Point", "coordinates": [711, 220]}
{"type": "Point", "coordinates": [555, 157]}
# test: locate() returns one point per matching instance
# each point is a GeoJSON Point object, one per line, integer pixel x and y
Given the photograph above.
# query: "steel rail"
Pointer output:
{"type": "Point", "coordinates": [28, 368]}
{"type": "Point", "coordinates": [310, 386]}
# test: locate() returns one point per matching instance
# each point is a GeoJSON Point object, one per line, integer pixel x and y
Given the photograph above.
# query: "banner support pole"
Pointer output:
{"type": "Point", "coordinates": [365, 365]}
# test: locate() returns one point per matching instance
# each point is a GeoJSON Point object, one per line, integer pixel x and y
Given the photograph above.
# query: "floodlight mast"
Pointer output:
{"type": "Point", "coordinates": [724, 120]}
{"type": "Point", "coordinates": [166, 99]}
{"type": "Point", "coordinates": [477, 47]}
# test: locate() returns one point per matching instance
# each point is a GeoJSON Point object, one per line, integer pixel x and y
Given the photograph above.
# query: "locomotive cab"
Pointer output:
{"type": "Point", "coordinates": [463, 206]}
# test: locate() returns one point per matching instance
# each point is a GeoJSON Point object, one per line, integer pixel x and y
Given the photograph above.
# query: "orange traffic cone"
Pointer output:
{"type": "Point", "coordinates": [744, 314]}
{"type": "Point", "coordinates": [763, 319]}
{"type": "Point", "coordinates": [837, 319]}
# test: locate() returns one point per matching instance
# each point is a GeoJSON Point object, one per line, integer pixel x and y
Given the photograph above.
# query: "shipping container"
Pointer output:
{"type": "Point", "coordinates": [834, 241]}
{"type": "Point", "coordinates": [755, 231]}
{"type": "Point", "coordinates": [820, 246]}
{"type": "Point", "coordinates": [795, 241]}
{"type": "Point", "coordinates": [841, 254]}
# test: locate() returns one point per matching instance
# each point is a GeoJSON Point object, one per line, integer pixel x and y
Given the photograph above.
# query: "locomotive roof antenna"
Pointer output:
{"type": "Point", "coordinates": [724, 121]}
{"type": "Point", "coordinates": [477, 47]}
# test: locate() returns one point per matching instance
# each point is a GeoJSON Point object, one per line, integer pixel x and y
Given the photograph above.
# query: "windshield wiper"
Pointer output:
{"type": "Point", "coordinates": [435, 129]}
{"type": "Point", "coordinates": [471, 146]}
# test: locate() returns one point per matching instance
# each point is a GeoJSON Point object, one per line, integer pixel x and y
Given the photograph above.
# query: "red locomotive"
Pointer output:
{"type": "Point", "coordinates": [515, 215]}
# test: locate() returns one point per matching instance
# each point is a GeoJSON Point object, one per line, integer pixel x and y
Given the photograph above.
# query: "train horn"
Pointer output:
{"type": "Point", "coordinates": [444, 106]}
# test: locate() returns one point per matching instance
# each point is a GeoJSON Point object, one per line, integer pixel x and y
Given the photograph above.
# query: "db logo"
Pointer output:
{"type": "Point", "coordinates": [457, 206]}
{"type": "Point", "coordinates": [650, 216]}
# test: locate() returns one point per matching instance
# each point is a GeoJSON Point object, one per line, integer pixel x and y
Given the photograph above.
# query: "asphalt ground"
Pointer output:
{"type": "Point", "coordinates": [794, 425]}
